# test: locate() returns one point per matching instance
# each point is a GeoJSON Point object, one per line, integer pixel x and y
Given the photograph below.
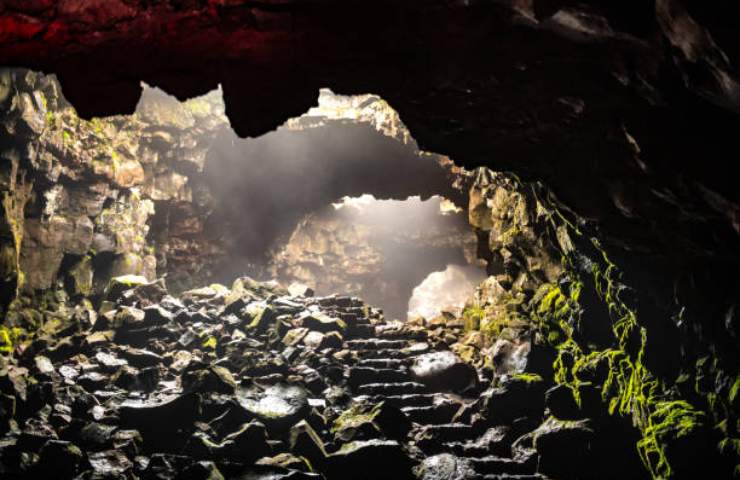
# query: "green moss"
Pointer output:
{"type": "Point", "coordinates": [355, 417]}
{"type": "Point", "coordinates": [527, 377]}
{"type": "Point", "coordinates": [730, 445]}
{"type": "Point", "coordinates": [10, 338]}
{"type": "Point", "coordinates": [734, 390]}
{"type": "Point", "coordinates": [210, 343]}
{"type": "Point", "coordinates": [508, 236]}
{"type": "Point", "coordinates": [628, 388]}
{"type": "Point", "coordinates": [494, 325]}
{"type": "Point", "coordinates": [6, 344]}
{"type": "Point", "coordinates": [472, 317]}
{"type": "Point", "coordinates": [668, 419]}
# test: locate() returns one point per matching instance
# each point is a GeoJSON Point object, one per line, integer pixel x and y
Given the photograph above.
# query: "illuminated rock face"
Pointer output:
{"type": "Point", "coordinates": [379, 250]}
{"type": "Point", "coordinates": [165, 191]}
{"type": "Point", "coordinates": [95, 186]}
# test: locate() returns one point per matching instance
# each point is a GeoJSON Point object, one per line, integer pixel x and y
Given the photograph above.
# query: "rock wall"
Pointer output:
{"type": "Point", "coordinates": [164, 192]}
{"type": "Point", "coordinates": [554, 288]}
{"type": "Point", "coordinates": [80, 196]}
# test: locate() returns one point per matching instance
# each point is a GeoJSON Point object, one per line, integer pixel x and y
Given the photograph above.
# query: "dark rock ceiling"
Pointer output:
{"type": "Point", "coordinates": [628, 110]}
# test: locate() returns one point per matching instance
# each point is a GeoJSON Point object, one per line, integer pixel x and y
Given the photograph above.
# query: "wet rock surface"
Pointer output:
{"type": "Point", "coordinates": [220, 384]}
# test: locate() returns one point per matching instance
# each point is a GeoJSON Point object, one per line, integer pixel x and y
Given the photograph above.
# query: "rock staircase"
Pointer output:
{"type": "Point", "coordinates": [442, 442]}
{"type": "Point", "coordinates": [252, 383]}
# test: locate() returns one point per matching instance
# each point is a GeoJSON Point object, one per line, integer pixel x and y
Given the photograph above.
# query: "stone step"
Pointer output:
{"type": "Point", "coordinates": [410, 400]}
{"type": "Point", "coordinates": [384, 362]}
{"type": "Point", "coordinates": [388, 354]}
{"type": "Point", "coordinates": [466, 449]}
{"type": "Point", "coordinates": [493, 465]}
{"type": "Point", "coordinates": [361, 331]}
{"type": "Point", "coordinates": [472, 449]}
{"type": "Point", "coordinates": [494, 441]}
{"type": "Point", "coordinates": [431, 439]}
{"type": "Point", "coordinates": [438, 414]}
{"type": "Point", "coordinates": [394, 334]}
{"type": "Point", "coordinates": [364, 375]}
{"type": "Point", "coordinates": [391, 388]}
{"type": "Point", "coordinates": [376, 344]}
{"type": "Point", "coordinates": [508, 476]}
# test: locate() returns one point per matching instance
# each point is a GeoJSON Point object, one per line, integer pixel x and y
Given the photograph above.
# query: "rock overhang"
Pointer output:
{"type": "Point", "coordinates": [594, 99]}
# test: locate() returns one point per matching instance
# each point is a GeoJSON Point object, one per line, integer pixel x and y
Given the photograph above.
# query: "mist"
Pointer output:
{"type": "Point", "coordinates": [341, 199]}
{"type": "Point", "coordinates": [381, 250]}
{"type": "Point", "coordinates": [260, 188]}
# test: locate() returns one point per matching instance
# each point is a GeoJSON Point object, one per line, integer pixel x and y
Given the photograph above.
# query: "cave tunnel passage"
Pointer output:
{"type": "Point", "coordinates": [263, 206]}
{"type": "Point", "coordinates": [385, 251]}
{"type": "Point", "coordinates": [340, 198]}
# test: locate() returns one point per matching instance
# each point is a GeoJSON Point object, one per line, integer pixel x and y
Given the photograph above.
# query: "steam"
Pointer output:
{"type": "Point", "coordinates": [261, 188]}
{"type": "Point", "coordinates": [380, 250]}
{"type": "Point", "coordinates": [347, 169]}
{"type": "Point", "coordinates": [446, 290]}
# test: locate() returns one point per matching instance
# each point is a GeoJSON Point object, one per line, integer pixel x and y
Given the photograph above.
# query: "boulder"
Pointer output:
{"type": "Point", "coordinates": [320, 341]}
{"type": "Point", "coordinates": [156, 315]}
{"type": "Point", "coordinates": [294, 336]}
{"type": "Point", "coordinates": [278, 407]}
{"type": "Point", "coordinates": [163, 424]}
{"type": "Point", "coordinates": [284, 460]}
{"type": "Point", "coordinates": [516, 356]}
{"type": "Point", "coordinates": [59, 459]}
{"type": "Point", "coordinates": [444, 466]}
{"type": "Point", "coordinates": [110, 463]}
{"type": "Point", "coordinates": [203, 470]}
{"type": "Point", "coordinates": [323, 323]}
{"type": "Point", "coordinates": [128, 318]}
{"type": "Point", "coordinates": [444, 371]}
{"type": "Point", "coordinates": [259, 316]}
{"type": "Point", "coordinates": [118, 285]}
{"type": "Point", "coordinates": [370, 460]}
{"type": "Point", "coordinates": [558, 462]}
{"type": "Point", "coordinates": [272, 472]}
{"type": "Point", "coordinates": [132, 379]}
{"type": "Point", "coordinates": [305, 442]}
{"type": "Point", "coordinates": [517, 396]}
{"type": "Point", "coordinates": [246, 444]}
{"type": "Point", "coordinates": [364, 421]}
{"type": "Point", "coordinates": [213, 378]}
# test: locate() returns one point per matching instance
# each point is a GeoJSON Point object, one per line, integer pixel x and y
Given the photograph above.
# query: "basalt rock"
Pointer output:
{"type": "Point", "coordinates": [278, 406]}
{"type": "Point", "coordinates": [444, 467]}
{"type": "Point", "coordinates": [371, 459]}
{"type": "Point", "coordinates": [201, 395]}
{"type": "Point", "coordinates": [516, 397]}
{"type": "Point", "coordinates": [443, 370]}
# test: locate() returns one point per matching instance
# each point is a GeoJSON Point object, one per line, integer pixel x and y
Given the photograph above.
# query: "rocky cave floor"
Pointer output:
{"type": "Point", "coordinates": [258, 382]}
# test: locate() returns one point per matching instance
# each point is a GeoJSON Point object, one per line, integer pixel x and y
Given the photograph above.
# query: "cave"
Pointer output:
{"type": "Point", "coordinates": [438, 240]}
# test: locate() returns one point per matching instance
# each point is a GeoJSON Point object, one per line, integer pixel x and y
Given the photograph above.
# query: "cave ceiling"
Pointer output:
{"type": "Point", "coordinates": [627, 110]}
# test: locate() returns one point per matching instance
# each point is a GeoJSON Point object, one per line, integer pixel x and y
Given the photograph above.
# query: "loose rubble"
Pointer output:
{"type": "Point", "coordinates": [253, 383]}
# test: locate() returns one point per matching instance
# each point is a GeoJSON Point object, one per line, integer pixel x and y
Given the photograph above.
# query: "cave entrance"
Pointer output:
{"type": "Point", "coordinates": [340, 199]}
